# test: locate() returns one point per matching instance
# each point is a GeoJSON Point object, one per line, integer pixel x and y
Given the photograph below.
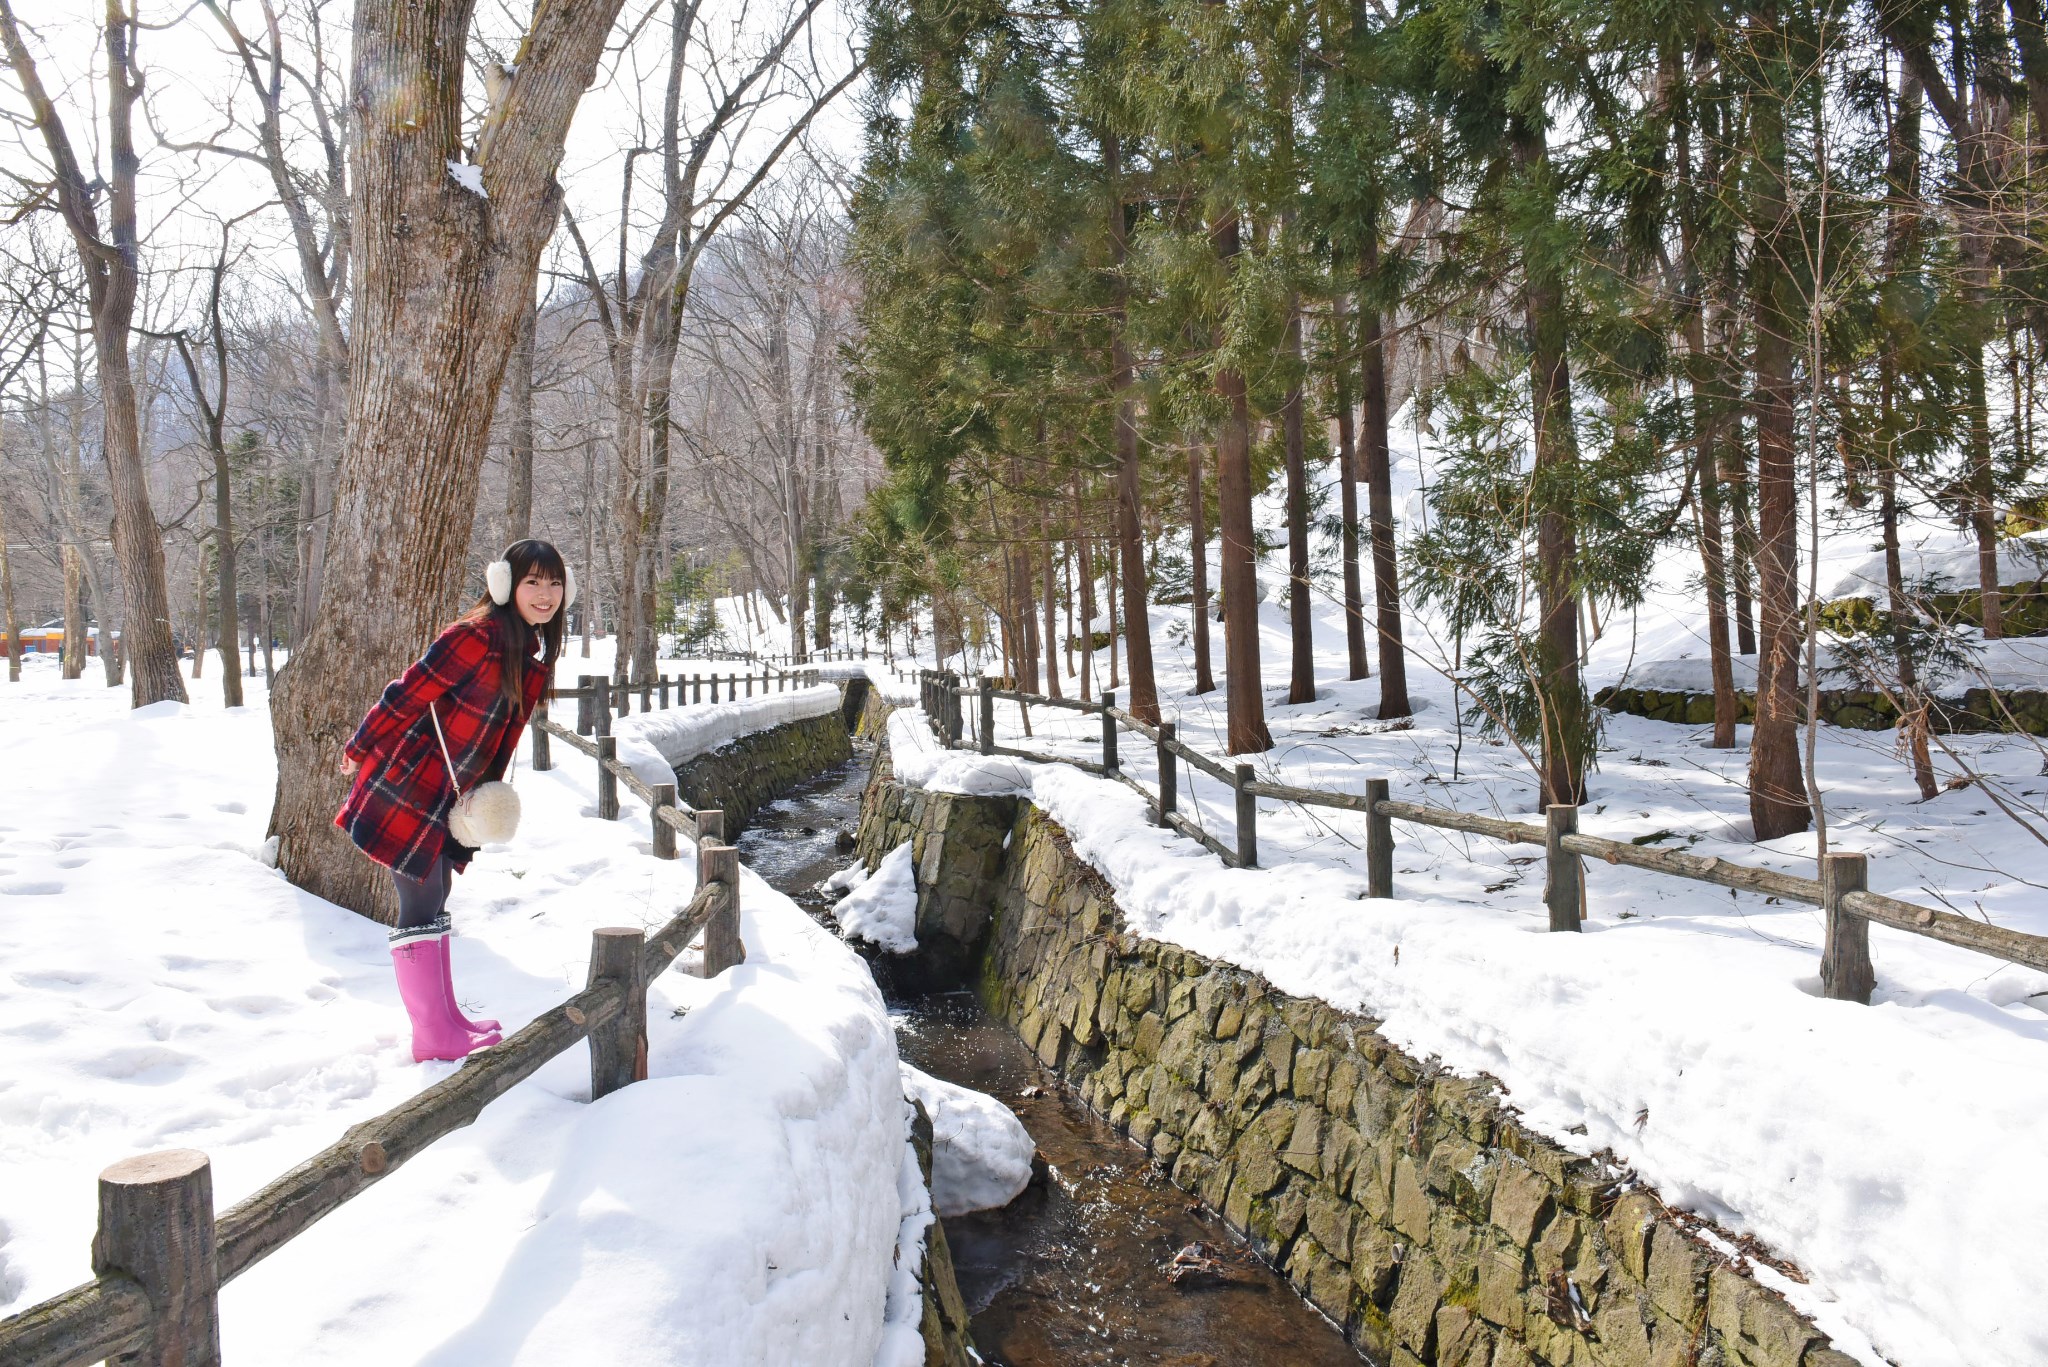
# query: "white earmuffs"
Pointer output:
{"type": "Point", "coordinates": [498, 579]}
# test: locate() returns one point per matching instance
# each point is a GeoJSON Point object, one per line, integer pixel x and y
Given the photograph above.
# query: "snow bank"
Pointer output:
{"type": "Point", "coordinates": [654, 743]}
{"type": "Point", "coordinates": [903, 1319]}
{"type": "Point", "coordinates": [981, 1152]}
{"type": "Point", "coordinates": [1942, 557]}
{"type": "Point", "coordinates": [1684, 1030]}
{"type": "Point", "coordinates": [882, 908]}
{"type": "Point", "coordinates": [160, 987]}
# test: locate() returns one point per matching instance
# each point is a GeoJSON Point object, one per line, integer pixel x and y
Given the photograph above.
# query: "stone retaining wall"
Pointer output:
{"type": "Point", "coordinates": [1411, 1207]}
{"type": "Point", "coordinates": [957, 847]}
{"type": "Point", "coordinates": [745, 776]}
{"type": "Point", "coordinates": [948, 1337]}
{"type": "Point", "coordinates": [1976, 711]}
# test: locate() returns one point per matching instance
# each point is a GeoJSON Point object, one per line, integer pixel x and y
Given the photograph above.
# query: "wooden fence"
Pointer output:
{"type": "Point", "coordinates": [160, 1256]}
{"type": "Point", "coordinates": [1841, 890]}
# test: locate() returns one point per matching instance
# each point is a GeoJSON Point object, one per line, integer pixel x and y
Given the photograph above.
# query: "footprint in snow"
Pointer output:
{"type": "Point", "coordinates": [232, 808]}
{"type": "Point", "coordinates": [78, 861]}
{"type": "Point", "coordinates": [30, 889]}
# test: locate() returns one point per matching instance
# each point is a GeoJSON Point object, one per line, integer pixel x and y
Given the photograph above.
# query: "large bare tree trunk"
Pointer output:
{"type": "Point", "coordinates": [109, 266]}
{"type": "Point", "coordinates": [1246, 710]}
{"type": "Point", "coordinates": [1777, 789]}
{"type": "Point", "coordinates": [443, 276]}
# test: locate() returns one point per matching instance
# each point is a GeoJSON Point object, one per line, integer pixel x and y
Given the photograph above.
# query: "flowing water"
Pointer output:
{"type": "Point", "coordinates": [1075, 1271]}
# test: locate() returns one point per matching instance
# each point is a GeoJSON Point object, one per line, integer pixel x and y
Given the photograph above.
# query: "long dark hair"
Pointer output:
{"type": "Point", "coordinates": [526, 557]}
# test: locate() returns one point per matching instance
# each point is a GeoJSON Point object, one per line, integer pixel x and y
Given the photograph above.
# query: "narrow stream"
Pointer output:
{"type": "Point", "coordinates": [1073, 1271]}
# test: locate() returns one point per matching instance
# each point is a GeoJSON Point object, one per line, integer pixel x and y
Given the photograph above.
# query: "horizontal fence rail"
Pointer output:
{"type": "Point", "coordinates": [160, 1256]}
{"type": "Point", "coordinates": [1846, 971]}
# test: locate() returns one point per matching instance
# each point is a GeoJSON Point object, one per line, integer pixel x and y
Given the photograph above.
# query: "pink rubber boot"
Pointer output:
{"type": "Point", "coordinates": [483, 1025]}
{"type": "Point", "coordinates": [437, 1031]}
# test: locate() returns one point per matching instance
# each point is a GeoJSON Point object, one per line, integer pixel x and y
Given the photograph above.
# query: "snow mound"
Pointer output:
{"type": "Point", "coordinates": [741, 1205]}
{"type": "Point", "coordinates": [882, 908]}
{"type": "Point", "coordinates": [981, 1152]}
{"type": "Point", "coordinates": [652, 744]}
{"type": "Point", "coordinates": [903, 1315]}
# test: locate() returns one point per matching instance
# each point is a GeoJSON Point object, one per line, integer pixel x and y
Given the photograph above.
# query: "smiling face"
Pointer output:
{"type": "Point", "coordinates": [538, 596]}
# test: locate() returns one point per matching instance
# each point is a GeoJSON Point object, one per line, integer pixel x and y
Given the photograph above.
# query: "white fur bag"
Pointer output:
{"type": "Point", "coordinates": [487, 814]}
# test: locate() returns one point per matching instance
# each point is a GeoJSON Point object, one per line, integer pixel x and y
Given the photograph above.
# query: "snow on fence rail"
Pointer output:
{"type": "Point", "coordinates": [160, 1256]}
{"type": "Point", "coordinates": [1841, 890]}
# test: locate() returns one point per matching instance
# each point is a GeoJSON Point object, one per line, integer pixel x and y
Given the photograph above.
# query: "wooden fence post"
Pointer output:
{"type": "Point", "coordinates": [696, 689]}
{"type": "Point", "coordinates": [601, 704]}
{"type": "Point", "coordinates": [1169, 774]}
{"type": "Point", "coordinates": [543, 757]}
{"type": "Point", "coordinates": [156, 1227]}
{"type": "Point", "coordinates": [664, 692]}
{"type": "Point", "coordinates": [663, 833]}
{"type": "Point", "coordinates": [988, 716]}
{"type": "Point", "coordinates": [607, 781]}
{"type": "Point", "coordinates": [1247, 819]}
{"type": "Point", "coordinates": [711, 831]}
{"type": "Point", "coordinates": [1564, 878]}
{"type": "Point", "coordinates": [1109, 760]}
{"type": "Point", "coordinates": [583, 693]}
{"type": "Point", "coordinates": [646, 695]}
{"type": "Point", "coordinates": [1379, 841]}
{"type": "Point", "coordinates": [618, 1048]}
{"type": "Point", "coordinates": [720, 863]}
{"type": "Point", "coordinates": [1846, 973]}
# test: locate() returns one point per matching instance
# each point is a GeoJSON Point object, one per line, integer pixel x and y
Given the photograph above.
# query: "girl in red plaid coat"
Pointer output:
{"type": "Point", "coordinates": [447, 724]}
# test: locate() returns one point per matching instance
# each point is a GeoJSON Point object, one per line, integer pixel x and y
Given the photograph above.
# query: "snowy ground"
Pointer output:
{"type": "Point", "coordinates": [1891, 1151]}
{"type": "Point", "coordinates": [161, 987]}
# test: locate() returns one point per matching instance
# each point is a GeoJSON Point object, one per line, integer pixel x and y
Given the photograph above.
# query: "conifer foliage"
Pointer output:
{"type": "Point", "coordinates": [1642, 279]}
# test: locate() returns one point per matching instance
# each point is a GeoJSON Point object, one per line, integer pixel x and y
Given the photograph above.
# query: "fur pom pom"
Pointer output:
{"type": "Point", "coordinates": [498, 579]}
{"type": "Point", "coordinates": [568, 586]}
{"type": "Point", "coordinates": [487, 814]}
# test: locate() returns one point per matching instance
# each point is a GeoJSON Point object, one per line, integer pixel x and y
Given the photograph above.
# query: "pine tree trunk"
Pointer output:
{"type": "Point", "coordinates": [1902, 222]}
{"type": "Point", "coordinates": [72, 660]}
{"type": "Point", "coordinates": [1084, 571]}
{"type": "Point", "coordinates": [1742, 537]}
{"type": "Point", "coordinates": [1347, 484]}
{"type": "Point", "coordinates": [1560, 698]}
{"type": "Point", "coordinates": [1708, 399]}
{"type": "Point", "coordinates": [1198, 573]}
{"type": "Point", "coordinates": [1049, 591]}
{"type": "Point", "coordinates": [1777, 790]}
{"type": "Point", "coordinates": [1377, 453]}
{"type": "Point", "coordinates": [1246, 713]}
{"type": "Point", "coordinates": [1301, 683]}
{"type": "Point", "coordinates": [443, 276]}
{"type": "Point", "coordinates": [1144, 695]}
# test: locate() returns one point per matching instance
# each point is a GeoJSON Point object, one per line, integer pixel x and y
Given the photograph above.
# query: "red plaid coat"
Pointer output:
{"type": "Point", "coordinates": [397, 812]}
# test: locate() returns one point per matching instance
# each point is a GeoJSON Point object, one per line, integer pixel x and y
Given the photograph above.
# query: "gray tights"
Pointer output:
{"type": "Point", "coordinates": [423, 901]}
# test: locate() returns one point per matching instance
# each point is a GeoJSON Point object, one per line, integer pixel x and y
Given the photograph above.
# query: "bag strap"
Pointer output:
{"type": "Point", "coordinates": [453, 782]}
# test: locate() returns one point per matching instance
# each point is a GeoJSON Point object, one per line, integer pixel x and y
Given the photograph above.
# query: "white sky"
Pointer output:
{"type": "Point", "coordinates": [191, 77]}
